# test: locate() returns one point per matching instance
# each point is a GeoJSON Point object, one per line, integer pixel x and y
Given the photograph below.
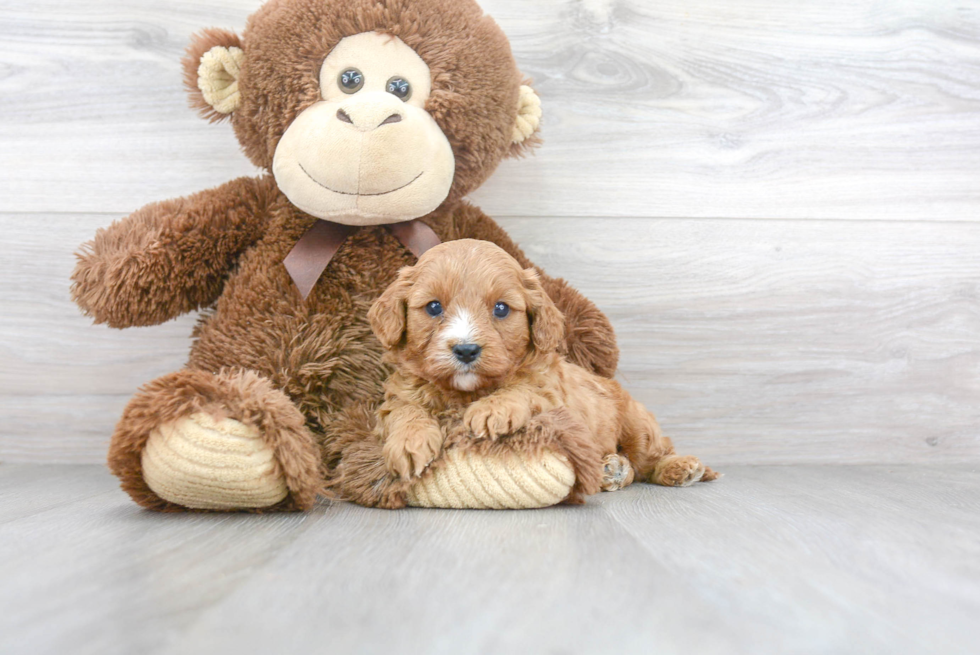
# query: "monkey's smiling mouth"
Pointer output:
{"type": "Point", "coordinates": [348, 193]}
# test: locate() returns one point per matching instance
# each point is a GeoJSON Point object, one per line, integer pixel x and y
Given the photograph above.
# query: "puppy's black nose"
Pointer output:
{"type": "Point", "coordinates": [466, 352]}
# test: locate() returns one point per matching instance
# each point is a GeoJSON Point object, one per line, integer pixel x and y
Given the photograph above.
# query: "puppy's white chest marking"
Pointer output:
{"type": "Point", "coordinates": [466, 381]}
{"type": "Point", "coordinates": [460, 329]}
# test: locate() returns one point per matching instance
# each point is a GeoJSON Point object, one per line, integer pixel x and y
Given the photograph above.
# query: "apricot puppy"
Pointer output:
{"type": "Point", "coordinates": [471, 333]}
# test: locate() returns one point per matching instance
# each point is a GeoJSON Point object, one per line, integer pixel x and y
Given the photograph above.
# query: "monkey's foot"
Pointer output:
{"type": "Point", "coordinates": [203, 463]}
{"type": "Point", "coordinates": [617, 472]}
{"type": "Point", "coordinates": [466, 479]}
{"type": "Point", "coordinates": [229, 440]}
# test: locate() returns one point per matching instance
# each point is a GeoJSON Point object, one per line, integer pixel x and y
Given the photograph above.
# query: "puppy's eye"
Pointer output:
{"type": "Point", "coordinates": [434, 308]}
{"type": "Point", "coordinates": [501, 310]}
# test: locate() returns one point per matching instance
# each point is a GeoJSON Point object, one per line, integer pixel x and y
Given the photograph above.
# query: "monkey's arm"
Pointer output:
{"type": "Point", "coordinates": [169, 257]}
{"type": "Point", "coordinates": [589, 338]}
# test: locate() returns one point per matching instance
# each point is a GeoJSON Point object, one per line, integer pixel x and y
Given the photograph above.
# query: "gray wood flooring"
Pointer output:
{"type": "Point", "coordinates": [796, 559]}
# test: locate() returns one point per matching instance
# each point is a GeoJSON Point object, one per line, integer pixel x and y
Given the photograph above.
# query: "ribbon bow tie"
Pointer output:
{"type": "Point", "coordinates": [308, 259]}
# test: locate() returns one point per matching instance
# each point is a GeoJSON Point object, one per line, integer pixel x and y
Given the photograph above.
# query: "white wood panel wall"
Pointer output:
{"type": "Point", "coordinates": [777, 202]}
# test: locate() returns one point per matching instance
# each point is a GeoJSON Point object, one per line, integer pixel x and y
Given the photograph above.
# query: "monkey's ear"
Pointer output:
{"type": "Point", "coordinates": [547, 321]}
{"type": "Point", "coordinates": [525, 134]}
{"type": "Point", "coordinates": [388, 315]}
{"type": "Point", "coordinates": [212, 65]}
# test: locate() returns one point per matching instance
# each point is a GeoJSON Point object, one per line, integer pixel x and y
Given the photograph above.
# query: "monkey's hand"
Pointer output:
{"type": "Point", "coordinates": [170, 257]}
{"type": "Point", "coordinates": [590, 340]}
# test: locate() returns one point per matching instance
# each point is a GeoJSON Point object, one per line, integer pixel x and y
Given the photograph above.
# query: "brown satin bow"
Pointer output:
{"type": "Point", "coordinates": [314, 250]}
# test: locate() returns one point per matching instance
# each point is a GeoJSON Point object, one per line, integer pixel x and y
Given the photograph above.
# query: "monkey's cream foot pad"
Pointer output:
{"type": "Point", "coordinates": [468, 480]}
{"type": "Point", "coordinates": [204, 463]}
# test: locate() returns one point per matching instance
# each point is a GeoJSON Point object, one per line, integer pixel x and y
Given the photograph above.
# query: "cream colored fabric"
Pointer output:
{"type": "Point", "coordinates": [217, 78]}
{"type": "Point", "coordinates": [528, 114]}
{"type": "Point", "coordinates": [379, 57]}
{"type": "Point", "coordinates": [470, 481]}
{"type": "Point", "coordinates": [380, 159]}
{"type": "Point", "coordinates": [201, 463]}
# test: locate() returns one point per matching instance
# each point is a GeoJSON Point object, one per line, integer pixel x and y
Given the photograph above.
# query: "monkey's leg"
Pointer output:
{"type": "Point", "coordinates": [226, 441]}
{"type": "Point", "coordinates": [550, 460]}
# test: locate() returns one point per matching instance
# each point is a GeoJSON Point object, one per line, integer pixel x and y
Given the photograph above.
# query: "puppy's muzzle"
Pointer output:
{"type": "Point", "coordinates": [467, 352]}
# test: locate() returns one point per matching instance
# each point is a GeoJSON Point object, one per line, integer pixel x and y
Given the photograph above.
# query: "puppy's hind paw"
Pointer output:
{"type": "Point", "coordinates": [617, 472]}
{"type": "Point", "coordinates": [710, 474]}
{"type": "Point", "coordinates": [676, 471]}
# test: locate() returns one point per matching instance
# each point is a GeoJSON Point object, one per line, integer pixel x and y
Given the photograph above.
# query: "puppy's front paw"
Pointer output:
{"type": "Point", "coordinates": [495, 417]}
{"type": "Point", "coordinates": [408, 452]}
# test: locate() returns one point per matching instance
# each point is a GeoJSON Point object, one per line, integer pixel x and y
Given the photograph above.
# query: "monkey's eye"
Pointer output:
{"type": "Point", "coordinates": [434, 308]}
{"type": "Point", "coordinates": [501, 310]}
{"type": "Point", "coordinates": [350, 81]}
{"type": "Point", "coordinates": [399, 87]}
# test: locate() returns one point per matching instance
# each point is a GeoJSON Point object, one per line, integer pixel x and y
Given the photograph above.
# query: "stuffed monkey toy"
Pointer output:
{"type": "Point", "coordinates": [372, 119]}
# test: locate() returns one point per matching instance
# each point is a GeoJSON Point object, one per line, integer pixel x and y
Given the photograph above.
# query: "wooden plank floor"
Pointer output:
{"type": "Point", "coordinates": [795, 559]}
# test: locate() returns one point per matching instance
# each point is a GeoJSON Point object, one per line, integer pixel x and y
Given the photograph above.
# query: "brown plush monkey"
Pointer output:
{"type": "Point", "coordinates": [373, 119]}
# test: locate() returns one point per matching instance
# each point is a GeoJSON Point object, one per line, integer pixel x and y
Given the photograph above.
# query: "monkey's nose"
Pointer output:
{"type": "Point", "coordinates": [466, 352]}
{"type": "Point", "coordinates": [366, 124]}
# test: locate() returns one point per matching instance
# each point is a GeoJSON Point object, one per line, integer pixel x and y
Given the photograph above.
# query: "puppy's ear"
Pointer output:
{"type": "Point", "coordinates": [389, 313]}
{"type": "Point", "coordinates": [547, 323]}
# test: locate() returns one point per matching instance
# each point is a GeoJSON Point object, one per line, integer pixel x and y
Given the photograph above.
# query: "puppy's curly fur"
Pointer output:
{"type": "Point", "coordinates": [474, 335]}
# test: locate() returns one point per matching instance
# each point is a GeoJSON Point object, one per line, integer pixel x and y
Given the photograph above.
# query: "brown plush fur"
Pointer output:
{"type": "Point", "coordinates": [475, 81]}
{"type": "Point", "coordinates": [222, 250]}
{"type": "Point", "coordinates": [516, 376]}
